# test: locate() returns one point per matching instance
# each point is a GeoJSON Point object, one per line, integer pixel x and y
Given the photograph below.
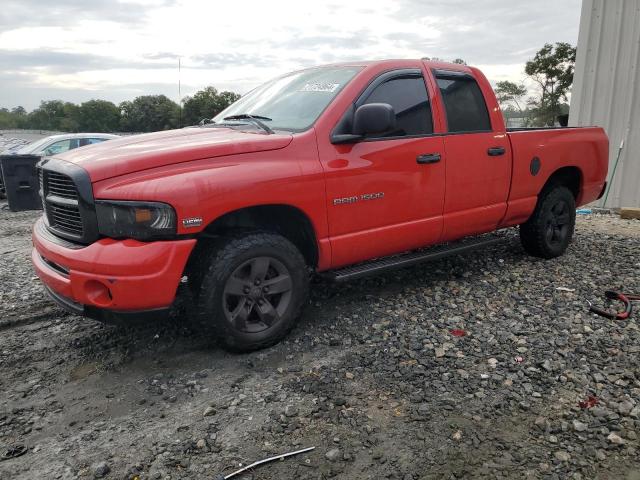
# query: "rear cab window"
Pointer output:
{"type": "Point", "coordinates": [465, 107]}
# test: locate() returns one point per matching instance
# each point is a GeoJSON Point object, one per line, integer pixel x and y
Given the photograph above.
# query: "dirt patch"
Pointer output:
{"type": "Point", "coordinates": [373, 376]}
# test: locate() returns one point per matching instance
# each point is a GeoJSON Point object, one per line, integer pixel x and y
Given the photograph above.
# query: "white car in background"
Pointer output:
{"type": "Point", "coordinates": [56, 144]}
{"type": "Point", "coordinates": [53, 145]}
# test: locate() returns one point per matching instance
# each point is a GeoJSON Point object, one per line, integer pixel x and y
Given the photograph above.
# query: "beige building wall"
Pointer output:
{"type": "Point", "coordinates": [606, 89]}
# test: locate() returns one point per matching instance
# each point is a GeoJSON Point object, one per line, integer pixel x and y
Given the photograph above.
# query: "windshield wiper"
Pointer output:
{"type": "Point", "coordinates": [255, 119]}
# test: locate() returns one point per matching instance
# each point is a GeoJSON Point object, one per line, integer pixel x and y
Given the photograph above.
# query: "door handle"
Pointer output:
{"type": "Point", "coordinates": [428, 158]}
{"type": "Point", "coordinates": [496, 151]}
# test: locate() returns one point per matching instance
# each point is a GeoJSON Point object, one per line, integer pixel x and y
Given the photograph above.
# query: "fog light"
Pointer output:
{"type": "Point", "coordinates": [98, 293]}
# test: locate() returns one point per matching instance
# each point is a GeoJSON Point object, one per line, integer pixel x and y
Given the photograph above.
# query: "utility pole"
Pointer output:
{"type": "Point", "coordinates": [180, 90]}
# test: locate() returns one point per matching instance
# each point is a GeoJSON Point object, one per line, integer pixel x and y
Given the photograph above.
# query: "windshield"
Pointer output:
{"type": "Point", "coordinates": [294, 101]}
{"type": "Point", "coordinates": [33, 147]}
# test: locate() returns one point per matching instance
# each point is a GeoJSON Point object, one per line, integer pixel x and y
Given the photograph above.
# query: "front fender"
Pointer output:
{"type": "Point", "coordinates": [208, 189]}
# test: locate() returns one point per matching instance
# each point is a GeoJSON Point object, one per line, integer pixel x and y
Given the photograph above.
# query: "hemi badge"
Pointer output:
{"type": "Point", "coordinates": [192, 222]}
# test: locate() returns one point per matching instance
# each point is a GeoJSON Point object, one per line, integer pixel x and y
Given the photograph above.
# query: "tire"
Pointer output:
{"type": "Point", "coordinates": [251, 290]}
{"type": "Point", "coordinates": [549, 230]}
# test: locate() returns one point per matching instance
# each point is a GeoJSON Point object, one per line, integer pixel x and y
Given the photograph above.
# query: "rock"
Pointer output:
{"type": "Point", "coordinates": [349, 376]}
{"type": "Point", "coordinates": [377, 454]}
{"type": "Point", "coordinates": [209, 411]}
{"type": "Point", "coordinates": [562, 456]}
{"type": "Point", "coordinates": [100, 470]}
{"type": "Point", "coordinates": [201, 444]}
{"type": "Point", "coordinates": [625, 408]}
{"type": "Point", "coordinates": [332, 455]}
{"type": "Point", "coordinates": [440, 352]}
{"type": "Point", "coordinates": [579, 426]}
{"type": "Point", "coordinates": [615, 439]}
{"type": "Point", "coordinates": [291, 411]}
{"type": "Point", "coordinates": [493, 362]}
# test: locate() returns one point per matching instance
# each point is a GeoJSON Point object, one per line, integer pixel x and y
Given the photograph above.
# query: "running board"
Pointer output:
{"type": "Point", "coordinates": [405, 260]}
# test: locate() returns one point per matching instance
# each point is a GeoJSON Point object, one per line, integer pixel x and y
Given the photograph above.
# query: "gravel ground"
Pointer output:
{"type": "Point", "coordinates": [375, 376]}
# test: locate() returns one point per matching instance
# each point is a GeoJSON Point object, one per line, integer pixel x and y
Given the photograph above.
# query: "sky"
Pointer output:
{"type": "Point", "coordinates": [77, 50]}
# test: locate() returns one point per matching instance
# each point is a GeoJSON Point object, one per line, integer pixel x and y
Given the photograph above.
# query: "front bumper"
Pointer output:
{"type": "Point", "coordinates": [110, 280]}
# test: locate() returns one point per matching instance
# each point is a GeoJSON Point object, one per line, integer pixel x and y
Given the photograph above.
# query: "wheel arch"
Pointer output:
{"type": "Point", "coordinates": [286, 220]}
{"type": "Point", "coordinates": [570, 177]}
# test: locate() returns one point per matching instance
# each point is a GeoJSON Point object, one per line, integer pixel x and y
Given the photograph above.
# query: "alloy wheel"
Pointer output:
{"type": "Point", "coordinates": [257, 294]}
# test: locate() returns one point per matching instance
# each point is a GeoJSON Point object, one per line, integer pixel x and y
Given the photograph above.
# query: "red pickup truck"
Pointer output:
{"type": "Point", "coordinates": [345, 169]}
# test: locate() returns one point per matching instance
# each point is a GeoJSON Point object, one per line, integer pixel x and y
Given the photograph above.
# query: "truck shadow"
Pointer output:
{"type": "Point", "coordinates": [114, 346]}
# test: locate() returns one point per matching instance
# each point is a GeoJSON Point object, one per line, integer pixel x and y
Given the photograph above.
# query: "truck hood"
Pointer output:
{"type": "Point", "coordinates": [141, 152]}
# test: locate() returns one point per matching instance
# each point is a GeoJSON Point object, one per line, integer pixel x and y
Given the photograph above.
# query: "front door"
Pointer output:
{"type": "Point", "coordinates": [385, 193]}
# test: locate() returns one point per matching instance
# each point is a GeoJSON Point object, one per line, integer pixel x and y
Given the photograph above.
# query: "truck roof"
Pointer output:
{"type": "Point", "coordinates": [399, 62]}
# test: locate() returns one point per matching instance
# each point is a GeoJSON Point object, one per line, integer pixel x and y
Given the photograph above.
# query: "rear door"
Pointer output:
{"type": "Point", "coordinates": [478, 169]}
{"type": "Point", "coordinates": [384, 194]}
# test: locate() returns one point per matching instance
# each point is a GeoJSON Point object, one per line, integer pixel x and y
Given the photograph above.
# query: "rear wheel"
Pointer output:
{"type": "Point", "coordinates": [252, 290]}
{"type": "Point", "coordinates": [548, 232]}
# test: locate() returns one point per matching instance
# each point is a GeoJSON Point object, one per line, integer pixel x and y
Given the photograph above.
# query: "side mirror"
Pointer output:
{"type": "Point", "coordinates": [374, 118]}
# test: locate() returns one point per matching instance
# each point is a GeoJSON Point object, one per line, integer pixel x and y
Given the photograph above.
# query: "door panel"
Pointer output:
{"type": "Point", "coordinates": [477, 183]}
{"type": "Point", "coordinates": [478, 175]}
{"type": "Point", "coordinates": [380, 200]}
{"type": "Point", "coordinates": [385, 193]}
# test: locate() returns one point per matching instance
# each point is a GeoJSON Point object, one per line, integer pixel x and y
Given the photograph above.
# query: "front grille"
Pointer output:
{"type": "Point", "coordinates": [67, 199]}
{"type": "Point", "coordinates": [61, 186]}
{"type": "Point", "coordinates": [60, 203]}
{"type": "Point", "coordinates": [66, 218]}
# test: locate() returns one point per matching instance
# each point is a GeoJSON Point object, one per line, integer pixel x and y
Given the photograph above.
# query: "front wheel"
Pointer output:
{"type": "Point", "coordinates": [549, 230]}
{"type": "Point", "coordinates": [252, 290]}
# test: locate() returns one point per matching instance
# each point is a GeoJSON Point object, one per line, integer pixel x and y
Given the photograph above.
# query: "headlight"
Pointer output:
{"type": "Point", "coordinates": [139, 220]}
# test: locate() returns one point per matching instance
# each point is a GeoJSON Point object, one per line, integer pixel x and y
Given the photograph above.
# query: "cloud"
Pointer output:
{"type": "Point", "coordinates": [55, 62]}
{"type": "Point", "coordinates": [75, 49]}
{"type": "Point", "coordinates": [31, 13]}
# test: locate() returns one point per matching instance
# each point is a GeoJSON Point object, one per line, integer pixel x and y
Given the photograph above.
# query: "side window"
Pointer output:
{"type": "Point", "coordinates": [408, 97]}
{"type": "Point", "coordinates": [58, 147]}
{"type": "Point", "coordinates": [464, 104]}
{"type": "Point", "coordinates": [90, 141]}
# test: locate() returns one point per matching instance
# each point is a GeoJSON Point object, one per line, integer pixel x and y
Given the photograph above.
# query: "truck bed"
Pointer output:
{"type": "Point", "coordinates": [584, 149]}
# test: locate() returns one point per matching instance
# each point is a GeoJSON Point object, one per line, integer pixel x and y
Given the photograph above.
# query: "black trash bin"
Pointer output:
{"type": "Point", "coordinates": [21, 181]}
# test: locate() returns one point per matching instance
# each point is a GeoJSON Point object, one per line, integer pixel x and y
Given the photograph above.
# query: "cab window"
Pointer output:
{"type": "Point", "coordinates": [463, 102]}
{"type": "Point", "coordinates": [408, 96]}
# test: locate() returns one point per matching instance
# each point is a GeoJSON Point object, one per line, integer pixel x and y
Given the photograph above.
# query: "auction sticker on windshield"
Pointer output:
{"type": "Point", "coordinates": [320, 87]}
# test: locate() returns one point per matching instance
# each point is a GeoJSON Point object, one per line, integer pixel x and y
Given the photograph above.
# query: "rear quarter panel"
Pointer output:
{"type": "Point", "coordinates": [585, 148]}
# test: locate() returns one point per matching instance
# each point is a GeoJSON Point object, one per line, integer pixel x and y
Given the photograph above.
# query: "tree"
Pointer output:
{"type": "Point", "coordinates": [149, 113]}
{"type": "Point", "coordinates": [19, 111]}
{"type": "Point", "coordinates": [47, 116]}
{"type": "Point", "coordinates": [510, 94]}
{"type": "Point", "coordinates": [98, 116]}
{"type": "Point", "coordinates": [206, 103]}
{"type": "Point", "coordinates": [552, 69]}
{"type": "Point", "coordinates": [70, 121]}
{"type": "Point", "coordinates": [459, 61]}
